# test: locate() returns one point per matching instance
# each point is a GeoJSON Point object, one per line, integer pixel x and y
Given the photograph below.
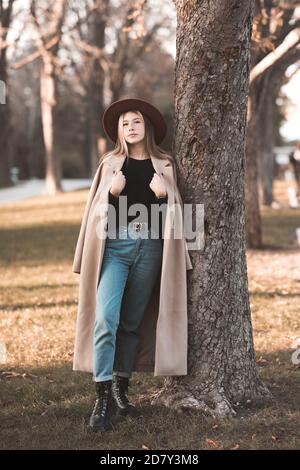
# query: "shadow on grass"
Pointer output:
{"type": "Point", "coordinates": [266, 294]}
{"type": "Point", "coordinates": [38, 244]}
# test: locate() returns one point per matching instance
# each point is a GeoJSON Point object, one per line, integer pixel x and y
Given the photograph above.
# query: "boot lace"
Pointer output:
{"type": "Point", "coordinates": [119, 393]}
{"type": "Point", "coordinates": [101, 404]}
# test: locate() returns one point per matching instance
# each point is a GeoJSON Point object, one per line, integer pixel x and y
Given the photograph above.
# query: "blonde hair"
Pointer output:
{"type": "Point", "coordinates": [151, 148]}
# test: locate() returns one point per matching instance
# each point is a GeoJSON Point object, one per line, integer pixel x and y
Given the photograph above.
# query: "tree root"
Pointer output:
{"type": "Point", "coordinates": [214, 403]}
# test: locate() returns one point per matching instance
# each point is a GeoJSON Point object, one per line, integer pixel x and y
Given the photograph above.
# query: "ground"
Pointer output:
{"type": "Point", "coordinates": [45, 405]}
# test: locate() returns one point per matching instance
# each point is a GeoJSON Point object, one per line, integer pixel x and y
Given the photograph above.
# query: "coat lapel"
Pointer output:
{"type": "Point", "coordinates": [162, 168]}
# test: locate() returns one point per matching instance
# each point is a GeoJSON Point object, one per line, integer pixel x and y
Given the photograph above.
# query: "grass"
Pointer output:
{"type": "Point", "coordinates": [45, 405]}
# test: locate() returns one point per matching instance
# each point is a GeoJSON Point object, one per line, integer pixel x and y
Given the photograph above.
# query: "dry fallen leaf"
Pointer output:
{"type": "Point", "coordinates": [145, 447]}
{"type": "Point", "coordinates": [24, 375]}
{"type": "Point", "coordinates": [236, 447]}
{"type": "Point", "coordinates": [212, 443]}
{"type": "Point", "coordinates": [261, 361]}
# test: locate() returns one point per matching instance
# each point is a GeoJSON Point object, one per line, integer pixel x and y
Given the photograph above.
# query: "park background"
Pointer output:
{"type": "Point", "coordinates": [61, 64]}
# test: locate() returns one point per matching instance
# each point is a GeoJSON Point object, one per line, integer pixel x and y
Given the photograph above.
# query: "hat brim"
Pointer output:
{"type": "Point", "coordinates": [114, 110]}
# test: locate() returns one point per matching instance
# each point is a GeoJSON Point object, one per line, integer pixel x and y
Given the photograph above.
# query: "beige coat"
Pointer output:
{"type": "Point", "coordinates": [163, 332]}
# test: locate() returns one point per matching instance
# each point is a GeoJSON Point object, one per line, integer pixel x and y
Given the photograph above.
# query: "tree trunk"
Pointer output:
{"type": "Point", "coordinates": [48, 102]}
{"type": "Point", "coordinates": [211, 88]}
{"type": "Point", "coordinates": [48, 92]}
{"type": "Point", "coordinates": [253, 218]}
{"type": "Point", "coordinates": [286, 43]}
{"type": "Point", "coordinates": [120, 56]}
{"type": "Point", "coordinates": [266, 143]}
{"type": "Point", "coordinates": [96, 86]}
{"type": "Point", "coordinates": [272, 82]}
{"type": "Point", "coordinates": [5, 131]}
{"type": "Point", "coordinates": [5, 127]}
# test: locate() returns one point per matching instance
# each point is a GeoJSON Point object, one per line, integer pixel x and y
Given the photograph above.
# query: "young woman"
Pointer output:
{"type": "Point", "coordinates": [122, 324]}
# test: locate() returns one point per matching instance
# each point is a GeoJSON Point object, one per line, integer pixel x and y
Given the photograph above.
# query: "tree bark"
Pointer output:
{"type": "Point", "coordinates": [211, 89]}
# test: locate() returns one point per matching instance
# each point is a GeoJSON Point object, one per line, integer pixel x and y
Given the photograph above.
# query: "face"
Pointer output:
{"type": "Point", "coordinates": [133, 124]}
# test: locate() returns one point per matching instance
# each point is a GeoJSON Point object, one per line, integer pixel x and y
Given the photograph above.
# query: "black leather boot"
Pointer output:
{"type": "Point", "coordinates": [104, 407]}
{"type": "Point", "coordinates": [119, 390]}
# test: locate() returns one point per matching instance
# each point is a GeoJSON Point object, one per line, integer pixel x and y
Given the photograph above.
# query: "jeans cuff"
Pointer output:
{"type": "Point", "coordinates": [102, 379]}
{"type": "Point", "coordinates": [122, 374]}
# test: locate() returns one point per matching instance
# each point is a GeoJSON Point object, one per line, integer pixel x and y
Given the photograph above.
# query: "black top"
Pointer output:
{"type": "Point", "coordinates": [138, 174]}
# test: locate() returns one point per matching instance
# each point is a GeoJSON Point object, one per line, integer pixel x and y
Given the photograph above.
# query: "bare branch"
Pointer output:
{"type": "Point", "coordinates": [35, 55]}
{"type": "Point", "coordinates": [96, 52]}
{"type": "Point", "coordinates": [290, 42]}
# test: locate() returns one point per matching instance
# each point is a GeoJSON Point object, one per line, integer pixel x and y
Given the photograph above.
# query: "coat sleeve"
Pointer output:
{"type": "Point", "coordinates": [80, 242]}
{"type": "Point", "coordinates": [177, 192]}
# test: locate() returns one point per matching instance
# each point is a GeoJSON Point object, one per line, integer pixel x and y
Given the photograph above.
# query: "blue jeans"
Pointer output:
{"type": "Point", "coordinates": [129, 270]}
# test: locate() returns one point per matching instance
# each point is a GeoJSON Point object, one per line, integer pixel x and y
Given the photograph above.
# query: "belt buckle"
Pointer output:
{"type": "Point", "coordinates": [138, 228]}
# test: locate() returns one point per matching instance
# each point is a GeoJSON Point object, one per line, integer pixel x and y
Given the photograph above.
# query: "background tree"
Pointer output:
{"type": "Point", "coordinates": [48, 42]}
{"type": "Point", "coordinates": [6, 9]}
{"type": "Point", "coordinates": [48, 23]}
{"type": "Point", "coordinates": [267, 124]}
{"type": "Point", "coordinates": [276, 34]}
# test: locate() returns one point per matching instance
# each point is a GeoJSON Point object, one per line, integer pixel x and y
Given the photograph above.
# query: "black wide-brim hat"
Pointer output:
{"type": "Point", "coordinates": [112, 113]}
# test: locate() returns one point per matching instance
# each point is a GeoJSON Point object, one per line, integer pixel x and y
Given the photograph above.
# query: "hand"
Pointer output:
{"type": "Point", "coordinates": [158, 186]}
{"type": "Point", "coordinates": [118, 183]}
